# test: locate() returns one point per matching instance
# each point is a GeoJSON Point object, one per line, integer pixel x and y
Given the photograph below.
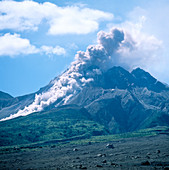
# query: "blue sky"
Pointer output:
{"type": "Point", "coordinates": [39, 39]}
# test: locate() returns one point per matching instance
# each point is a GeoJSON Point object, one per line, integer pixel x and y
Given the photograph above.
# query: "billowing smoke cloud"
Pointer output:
{"type": "Point", "coordinates": [108, 52]}
{"type": "Point", "coordinates": [111, 41]}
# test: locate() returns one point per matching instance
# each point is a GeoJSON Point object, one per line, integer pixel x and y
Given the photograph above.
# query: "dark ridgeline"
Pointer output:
{"type": "Point", "coordinates": [124, 101]}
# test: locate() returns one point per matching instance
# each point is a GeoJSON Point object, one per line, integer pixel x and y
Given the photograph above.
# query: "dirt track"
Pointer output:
{"type": "Point", "coordinates": [133, 153]}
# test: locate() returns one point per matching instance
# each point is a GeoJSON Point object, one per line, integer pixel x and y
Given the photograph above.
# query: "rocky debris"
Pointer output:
{"type": "Point", "coordinates": [104, 155]}
{"type": "Point", "coordinates": [132, 157]}
{"type": "Point", "coordinates": [118, 158]}
{"type": "Point", "coordinates": [99, 166]}
{"type": "Point", "coordinates": [75, 149]}
{"type": "Point", "coordinates": [104, 161]}
{"type": "Point", "coordinates": [114, 164]}
{"type": "Point", "coordinates": [136, 157]}
{"type": "Point", "coordinates": [145, 163]}
{"type": "Point", "coordinates": [85, 153]}
{"type": "Point", "coordinates": [82, 167]}
{"type": "Point", "coordinates": [90, 143]}
{"type": "Point", "coordinates": [158, 151]}
{"type": "Point", "coordinates": [127, 157]}
{"type": "Point", "coordinates": [147, 157]}
{"type": "Point", "coordinates": [159, 164]}
{"type": "Point", "coordinates": [110, 146]}
{"type": "Point", "coordinates": [101, 155]}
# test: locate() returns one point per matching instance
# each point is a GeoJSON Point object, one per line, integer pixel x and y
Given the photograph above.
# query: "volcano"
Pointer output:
{"type": "Point", "coordinates": [122, 101]}
{"type": "Point", "coordinates": [117, 99]}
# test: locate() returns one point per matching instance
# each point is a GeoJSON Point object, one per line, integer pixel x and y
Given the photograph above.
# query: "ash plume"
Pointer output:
{"type": "Point", "coordinates": [103, 55]}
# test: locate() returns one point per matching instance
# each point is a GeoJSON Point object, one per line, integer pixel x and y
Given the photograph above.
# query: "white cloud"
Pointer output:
{"type": "Point", "coordinates": [53, 50]}
{"type": "Point", "coordinates": [148, 29]}
{"type": "Point", "coordinates": [13, 45]}
{"type": "Point", "coordinates": [76, 20]}
{"type": "Point", "coordinates": [139, 49]}
{"type": "Point", "coordinates": [20, 15]}
{"type": "Point", "coordinates": [27, 15]}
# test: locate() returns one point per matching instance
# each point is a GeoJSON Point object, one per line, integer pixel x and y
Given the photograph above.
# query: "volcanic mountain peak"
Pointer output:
{"type": "Point", "coordinates": [4, 95]}
{"type": "Point", "coordinates": [119, 100]}
{"type": "Point", "coordinates": [144, 79]}
{"type": "Point", "coordinates": [117, 77]}
{"type": "Point", "coordinates": [92, 68]}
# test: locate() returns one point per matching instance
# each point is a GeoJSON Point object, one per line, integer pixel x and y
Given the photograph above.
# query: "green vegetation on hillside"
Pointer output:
{"type": "Point", "coordinates": [116, 137]}
{"type": "Point", "coordinates": [57, 124]}
{"type": "Point", "coordinates": [84, 141]}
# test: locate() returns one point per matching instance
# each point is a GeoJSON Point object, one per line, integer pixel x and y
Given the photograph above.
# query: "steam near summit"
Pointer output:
{"type": "Point", "coordinates": [94, 61]}
{"type": "Point", "coordinates": [101, 56]}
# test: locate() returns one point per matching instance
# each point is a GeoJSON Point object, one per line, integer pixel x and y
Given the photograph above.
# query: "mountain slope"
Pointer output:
{"type": "Point", "coordinates": [13, 105]}
{"type": "Point", "coordinates": [114, 98]}
{"type": "Point", "coordinates": [5, 99]}
{"type": "Point", "coordinates": [144, 79]}
{"type": "Point", "coordinates": [119, 100]}
{"type": "Point", "coordinates": [93, 68]}
{"type": "Point", "coordinates": [124, 101]}
{"type": "Point", "coordinates": [115, 101]}
{"type": "Point", "coordinates": [4, 96]}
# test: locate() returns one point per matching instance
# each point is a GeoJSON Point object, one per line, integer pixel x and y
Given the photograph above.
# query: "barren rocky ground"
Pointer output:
{"type": "Point", "coordinates": [133, 153]}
